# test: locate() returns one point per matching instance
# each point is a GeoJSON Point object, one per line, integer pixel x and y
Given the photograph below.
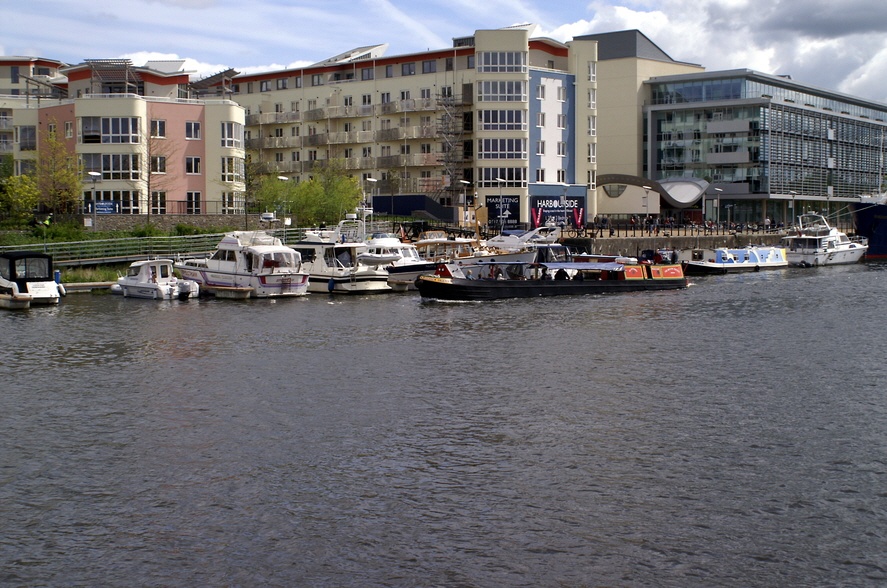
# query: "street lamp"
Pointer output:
{"type": "Point", "coordinates": [95, 177]}
{"type": "Point", "coordinates": [286, 219]}
{"type": "Point", "coordinates": [464, 203]}
{"type": "Point", "coordinates": [728, 207]}
{"type": "Point", "coordinates": [792, 203]}
{"type": "Point", "coordinates": [646, 202]}
{"type": "Point", "coordinates": [372, 182]}
{"type": "Point", "coordinates": [501, 207]}
{"type": "Point", "coordinates": [718, 206]}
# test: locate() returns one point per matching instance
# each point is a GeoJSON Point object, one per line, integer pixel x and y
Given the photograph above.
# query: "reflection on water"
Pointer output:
{"type": "Point", "coordinates": [714, 436]}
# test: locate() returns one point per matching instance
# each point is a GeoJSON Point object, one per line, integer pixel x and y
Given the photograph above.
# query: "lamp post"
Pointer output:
{"type": "Point", "coordinates": [501, 207]}
{"type": "Point", "coordinates": [286, 220]}
{"type": "Point", "coordinates": [728, 207]}
{"type": "Point", "coordinates": [646, 203]}
{"type": "Point", "coordinates": [792, 204]}
{"type": "Point", "coordinates": [718, 206]}
{"type": "Point", "coordinates": [372, 182]}
{"type": "Point", "coordinates": [95, 177]}
{"type": "Point", "coordinates": [464, 203]}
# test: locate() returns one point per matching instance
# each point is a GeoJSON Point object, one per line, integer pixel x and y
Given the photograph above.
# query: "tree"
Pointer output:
{"type": "Point", "coordinates": [58, 175]}
{"type": "Point", "coordinates": [325, 198]}
{"type": "Point", "coordinates": [19, 196]}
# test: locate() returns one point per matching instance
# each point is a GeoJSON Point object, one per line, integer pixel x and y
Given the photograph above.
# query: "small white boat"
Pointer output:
{"type": "Point", "coordinates": [332, 258]}
{"type": "Point", "coordinates": [248, 264]}
{"type": "Point", "coordinates": [156, 280]}
{"type": "Point", "coordinates": [404, 264]}
{"type": "Point", "coordinates": [26, 278]}
{"type": "Point", "coordinates": [724, 260]}
{"type": "Point", "coordinates": [813, 242]}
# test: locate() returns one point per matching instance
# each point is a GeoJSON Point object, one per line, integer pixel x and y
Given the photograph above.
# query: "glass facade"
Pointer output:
{"type": "Point", "coordinates": [764, 138]}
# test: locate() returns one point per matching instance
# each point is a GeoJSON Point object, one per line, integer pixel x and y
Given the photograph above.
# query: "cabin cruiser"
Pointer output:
{"type": "Point", "coordinates": [27, 278]}
{"type": "Point", "coordinates": [248, 264]}
{"type": "Point", "coordinates": [338, 262]}
{"type": "Point", "coordinates": [400, 259]}
{"type": "Point", "coordinates": [724, 260]}
{"type": "Point", "coordinates": [155, 279]}
{"type": "Point", "coordinates": [814, 242]}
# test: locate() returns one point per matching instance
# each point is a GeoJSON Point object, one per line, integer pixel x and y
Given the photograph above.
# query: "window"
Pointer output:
{"type": "Point", "coordinates": [192, 130]}
{"type": "Point", "coordinates": [385, 97]}
{"type": "Point", "coordinates": [502, 149]}
{"type": "Point", "coordinates": [540, 147]}
{"type": "Point", "coordinates": [592, 152]}
{"type": "Point", "coordinates": [592, 71]}
{"type": "Point", "coordinates": [425, 93]}
{"type": "Point", "coordinates": [158, 202]}
{"type": "Point", "coordinates": [94, 129]}
{"type": "Point", "coordinates": [232, 203]}
{"type": "Point", "coordinates": [592, 126]}
{"type": "Point", "coordinates": [389, 71]}
{"type": "Point", "coordinates": [192, 165]}
{"type": "Point", "coordinates": [158, 128]}
{"type": "Point", "coordinates": [540, 175]}
{"type": "Point", "coordinates": [348, 101]}
{"type": "Point", "coordinates": [562, 93]}
{"type": "Point", "coordinates": [562, 149]}
{"type": "Point", "coordinates": [540, 119]}
{"type": "Point", "coordinates": [449, 64]}
{"type": "Point", "coordinates": [562, 176]}
{"type": "Point", "coordinates": [562, 121]}
{"type": "Point", "coordinates": [405, 149]}
{"type": "Point", "coordinates": [298, 82]}
{"type": "Point", "coordinates": [265, 86]}
{"type": "Point", "coordinates": [232, 135]}
{"type": "Point", "coordinates": [592, 98]}
{"type": "Point", "coordinates": [404, 94]}
{"type": "Point", "coordinates": [429, 66]}
{"type": "Point", "coordinates": [540, 92]}
{"type": "Point", "coordinates": [27, 138]}
{"type": "Point", "coordinates": [366, 125]}
{"type": "Point", "coordinates": [278, 107]}
{"type": "Point", "coordinates": [502, 120]}
{"type": "Point", "coordinates": [408, 69]}
{"type": "Point", "coordinates": [502, 91]}
{"type": "Point", "coordinates": [470, 62]}
{"type": "Point", "coordinates": [317, 80]}
{"type": "Point", "coordinates": [312, 155]}
{"type": "Point", "coordinates": [69, 129]}
{"type": "Point", "coordinates": [366, 99]}
{"type": "Point", "coordinates": [120, 166]}
{"type": "Point", "coordinates": [192, 203]}
{"type": "Point", "coordinates": [296, 156]}
{"type": "Point", "coordinates": [502, 61]}
{"type": "Point", "coordinates": [281, 84]}
{"type": "Point", "coordinates": [425, 148]}
{"type": "Point", "coordinates": [367, 74]}
{"type": "Point", "coordinates": [232, 169]}
{"type": "Point", "coordinates": [367, 152]}
{"type": "Point", "coordinates": [158, 164]}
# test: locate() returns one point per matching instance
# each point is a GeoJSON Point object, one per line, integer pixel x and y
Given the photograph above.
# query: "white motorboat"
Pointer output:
{"type": "Point", "coordinates": [401, 260]}
{"type": "Point", "coordinates": [332, 258]}
{"type": "Point", "coordinates": [724, 260]}
{"type": "Point", "coordinates": [26, 278]}
{"type": "Point", "coordinates": [155, 279]}
{"type": "Point", "coordinates": [813, 242]}
{"type": "Point", "coordinates": [251, 264]}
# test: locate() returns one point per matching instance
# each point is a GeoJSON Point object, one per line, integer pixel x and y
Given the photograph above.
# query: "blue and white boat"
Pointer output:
{"type": "Point", "coordinates": [725, 260]}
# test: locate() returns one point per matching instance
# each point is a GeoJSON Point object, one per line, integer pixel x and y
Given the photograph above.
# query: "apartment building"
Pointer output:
{"type": "Point", "coordinates": [146, 147]}
{"type": "Point", "coordinates": [490, 124]}
{"type": "Point", "coordinates": [23, 81]}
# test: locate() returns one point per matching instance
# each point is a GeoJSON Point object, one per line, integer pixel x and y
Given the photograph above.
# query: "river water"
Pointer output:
{"type": "Point", "coordinates": [730, 434]}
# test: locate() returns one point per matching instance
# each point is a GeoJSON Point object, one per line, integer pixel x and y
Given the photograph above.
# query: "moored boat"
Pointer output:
{"type": "Point", "coordinates": [813, 242]}
{"type": "Point", "coordinates": [725, 260]}
{"type": "Point", "coordinates": [332, 259]}
{"type": "Point", "coordinates": [870, 218]}
{"type": "Point", "coordinates": [489, 280]}
{"type": "Point", "coordinates": [27, 278]}
{"type": "Point", "coordinates": [252, 262]}
{"type": "Point", "coordinates": [156, 280]}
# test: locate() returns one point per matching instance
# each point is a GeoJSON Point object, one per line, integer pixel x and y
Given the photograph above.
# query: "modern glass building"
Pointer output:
{"type": "Point", "coordinates": [768, 146]}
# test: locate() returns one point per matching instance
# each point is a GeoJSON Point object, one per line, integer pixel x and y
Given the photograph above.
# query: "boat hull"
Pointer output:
{"type": "Point", "coordinates": [260, 285]}
{"type": "Point", "coordinates": [441, 288]}
{"type": "Point", "coordinates": [871, 223]}
{"type": "Point", "coordinates": [820, 257]}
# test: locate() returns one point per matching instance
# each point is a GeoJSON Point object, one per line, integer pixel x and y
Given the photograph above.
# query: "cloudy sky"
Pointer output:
{"type": "Point", "coordinates": [826, 43]}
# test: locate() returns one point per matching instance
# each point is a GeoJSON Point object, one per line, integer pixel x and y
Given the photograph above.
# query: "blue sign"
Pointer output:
{"type": "Point", "coordinates": [105, 207]}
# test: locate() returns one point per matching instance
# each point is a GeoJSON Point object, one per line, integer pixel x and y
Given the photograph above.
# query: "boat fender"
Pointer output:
{"type": "Point", "coordinates": [331, 285]}
{"type": "Point", "coordinates": [62, 290]}
{"type": "Point", "coordinates": [757, 268]}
